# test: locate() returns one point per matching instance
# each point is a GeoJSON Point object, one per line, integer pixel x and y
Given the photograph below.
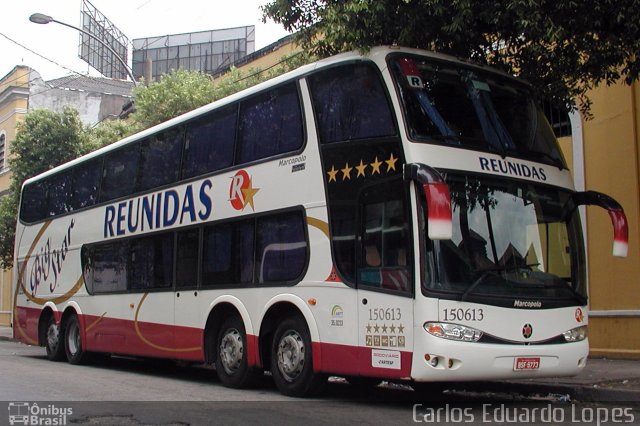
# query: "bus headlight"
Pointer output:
{"type": "Point", "coordinates": [577, 334]}
{"type": "Point", "coordinates": [453, 331]}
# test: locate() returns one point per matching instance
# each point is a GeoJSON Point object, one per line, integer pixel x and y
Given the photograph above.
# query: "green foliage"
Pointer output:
{"type": "Point", "coordinates": [564, 48]}
{"type": "Point", "coordinates": [175, 93]}
{"type": "Point", "coordinates": [110, 131]}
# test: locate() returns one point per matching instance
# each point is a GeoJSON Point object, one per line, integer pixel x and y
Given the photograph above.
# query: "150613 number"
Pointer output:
{"type": "Point", "coordinates": [385, 314]}
{"type": "Point", "coordinates": [460, 314]}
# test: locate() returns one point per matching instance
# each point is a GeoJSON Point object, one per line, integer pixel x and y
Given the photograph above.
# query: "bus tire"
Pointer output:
{"type": "Point", "coordinates": [53, 343]}
{"type": "Point", "coordinates": [292, 359]}
{"type": "Point", "coordinates": [73, 342]}
{"type": "Point", "coordinates": [231, 355]}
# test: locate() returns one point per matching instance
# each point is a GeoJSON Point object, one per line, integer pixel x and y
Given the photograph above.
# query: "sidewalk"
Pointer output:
{"type": "Point", "coordinates": [602, 380]}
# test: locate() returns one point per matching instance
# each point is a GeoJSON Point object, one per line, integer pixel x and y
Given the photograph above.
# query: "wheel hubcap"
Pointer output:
{"type": "Point", "coordinates": [231, 351]}
{"type": "Point", "coordinates": [53, 336]}
{"type": "Point", "coordinates": [73, 339]}
{"type": "Point", "coordinates": [291, 355]}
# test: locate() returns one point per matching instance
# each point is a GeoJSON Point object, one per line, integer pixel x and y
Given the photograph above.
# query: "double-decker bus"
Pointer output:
{"type": "Point", "coordinates": [397, 215]}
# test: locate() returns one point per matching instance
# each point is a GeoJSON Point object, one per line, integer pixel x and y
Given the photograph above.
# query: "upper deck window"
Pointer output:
{"type": "Point", "coordinates": [350, 102]}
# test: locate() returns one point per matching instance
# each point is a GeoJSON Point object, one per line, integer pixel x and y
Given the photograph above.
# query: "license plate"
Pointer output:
{"type": "Point", "coordinates": [526, 364]}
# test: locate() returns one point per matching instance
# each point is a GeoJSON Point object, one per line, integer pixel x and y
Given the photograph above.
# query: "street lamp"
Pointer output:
{"type": "Point", "coordinates": [41, 18]}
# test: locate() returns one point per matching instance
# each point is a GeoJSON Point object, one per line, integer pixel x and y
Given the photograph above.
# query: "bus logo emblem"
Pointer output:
{"type": "Point", "coordinates": [527, 331]}
{"type": "Point", "coordinates": [241, 191]}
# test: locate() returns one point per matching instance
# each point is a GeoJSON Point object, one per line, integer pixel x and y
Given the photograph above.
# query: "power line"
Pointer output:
{"type": "Point", "coordinates": [39, 55]}
{"type": "Point", "coordinates": [75, 74]}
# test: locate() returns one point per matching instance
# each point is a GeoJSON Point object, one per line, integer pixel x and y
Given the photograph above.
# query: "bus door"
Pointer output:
{"type": "Point", "coordinates": [189, 303]}
{"type": "Point", "coordinates": [384, 280]}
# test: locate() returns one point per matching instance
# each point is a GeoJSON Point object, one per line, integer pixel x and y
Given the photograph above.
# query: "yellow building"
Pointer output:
{"type": "Point", "coordinates": [605, 157]}
{"type": "Point", "coordinates": [14, 101]}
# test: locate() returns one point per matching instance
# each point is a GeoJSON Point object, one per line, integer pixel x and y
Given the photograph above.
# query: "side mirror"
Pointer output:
{"type": "Point", "coordinates": [616, 213]}
{"type": "Point", "coordinates": [438, 197]}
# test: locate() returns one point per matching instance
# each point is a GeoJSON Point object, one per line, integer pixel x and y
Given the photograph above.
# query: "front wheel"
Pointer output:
{"type": "Point", "coordinates": [292, 360]}
{"type": "Point", "coordinates": [231, 357]}
{"type": "Point", "coordinates": [53, 340]}
{"type": "Point", "coordinates": [73, 342]}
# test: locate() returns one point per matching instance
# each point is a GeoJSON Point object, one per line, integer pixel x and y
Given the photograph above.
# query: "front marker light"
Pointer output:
{"type": "Point", "coordinates": [577, 334]}
{"type": "Point", "coordinates": [453, 331]}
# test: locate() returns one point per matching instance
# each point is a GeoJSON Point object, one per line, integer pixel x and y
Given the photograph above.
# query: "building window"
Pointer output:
{"type": "Point", "coordinates": [558, 118]}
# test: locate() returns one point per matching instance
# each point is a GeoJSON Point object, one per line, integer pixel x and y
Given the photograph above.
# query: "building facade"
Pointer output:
{"type": "Point", "coordinates": [14, 103]}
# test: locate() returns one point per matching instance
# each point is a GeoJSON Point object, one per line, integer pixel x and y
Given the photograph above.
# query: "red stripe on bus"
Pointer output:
{"type": "Point", "coordinates": [113, 335]}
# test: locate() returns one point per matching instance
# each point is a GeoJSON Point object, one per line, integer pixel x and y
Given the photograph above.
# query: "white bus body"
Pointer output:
{"type": "Point", "coordinates": [328, 222]}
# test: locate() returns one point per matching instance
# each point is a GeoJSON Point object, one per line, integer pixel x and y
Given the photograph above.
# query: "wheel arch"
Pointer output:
{"type": "Point", "coordinates": [220, 309]}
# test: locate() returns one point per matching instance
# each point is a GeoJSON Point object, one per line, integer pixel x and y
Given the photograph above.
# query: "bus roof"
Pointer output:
{"type": "Point", "coordinates": [376, 54]}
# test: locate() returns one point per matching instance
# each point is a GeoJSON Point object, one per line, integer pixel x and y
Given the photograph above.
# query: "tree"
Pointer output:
{"type": "Point", "coordinates": [175, 93]}
{"type": "Point", "coordinates": [45, 139]}
{"type": "Point", "coordinates": [563, 48]}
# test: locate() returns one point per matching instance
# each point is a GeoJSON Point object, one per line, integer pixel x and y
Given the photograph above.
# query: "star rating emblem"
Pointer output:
{"type": "Point", "coordinates": [384, 328]}
{"type": "Point", "coordinates": [368, 328]}
{"type": "Point", "coordinates": [332, 174]}
{"type": "Point", "coordinates": [376, 328]}
{"type": "Point", "coordinates": [346, 172]}
{"type": "Point", "coordinates": [376, 166]}
{"type": "Point", "coordinates": [400, 328]}
{"type": "Point", "coordinates": [391, 163]}
{"type": "Point", "coordinates": [361, 169]}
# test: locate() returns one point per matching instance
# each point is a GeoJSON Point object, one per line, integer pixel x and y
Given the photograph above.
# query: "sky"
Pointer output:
{"type": "Point", "coordinates": [135, 18]}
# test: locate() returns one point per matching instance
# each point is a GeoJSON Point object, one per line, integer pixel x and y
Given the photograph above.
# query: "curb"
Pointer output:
{"type": "Point", "coordinates": [576, 392]}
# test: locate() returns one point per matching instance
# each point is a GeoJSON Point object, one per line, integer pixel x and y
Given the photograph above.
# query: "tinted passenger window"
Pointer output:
{"type": "Point", "coordinates": [270, 124]}
{"type": "Point", "coordinates": [350, 102]}
{"type": "Point", "coordinates": [160, 159]}
{"type": "Point", "coordinates": [210, 143]}
{"type": "Point", "coordinates": [33, 202]}
{"type": "Point", "coordinates": [152, 262]}
{"type": "Point", "coordinates": [86, 183]}
{"type": "Point", "coordinates": [105, 267]}
{"type": "Point", "coordinates": [58, 194]}
{"type": "Point", "coordinates": [281, 249]}
{"type": "Point", "coordinates": [228, 254]}
{"type": "Point", "coordinates": [120, 170]}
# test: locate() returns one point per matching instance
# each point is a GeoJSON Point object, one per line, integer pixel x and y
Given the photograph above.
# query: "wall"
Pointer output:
{"type": "Point", "coordinates": [612, 166]}
{"type": "Point", "coordinates": [14, 101]}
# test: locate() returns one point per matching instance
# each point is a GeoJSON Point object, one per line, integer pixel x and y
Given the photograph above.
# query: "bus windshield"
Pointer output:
{"type": "Point", "coordinates": [511, 239]}
{"type": "Point", "coordinates": [470, 108]}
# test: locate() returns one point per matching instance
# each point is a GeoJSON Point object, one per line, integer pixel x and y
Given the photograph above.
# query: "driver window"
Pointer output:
{"type": "Point", "coordinates": [385, 243]}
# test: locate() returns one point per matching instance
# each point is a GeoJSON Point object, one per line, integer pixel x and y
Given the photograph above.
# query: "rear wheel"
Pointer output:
{"type": "Point", "coordinates": [231, 357]}
{"type": "Point", "coordinates": [73, 342]}
{"type": "Point", "coordinates": [292, 360]}
{"type": "Point", "coordinates": [53, 340]}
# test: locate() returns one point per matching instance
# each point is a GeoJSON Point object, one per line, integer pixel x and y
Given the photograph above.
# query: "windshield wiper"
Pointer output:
{"type": "Point", "coordinates": [493, 272]}
{"type": "Point", "coordinates": [581, 299]}
{"type": "Point", "coordinates": [485, 273]}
